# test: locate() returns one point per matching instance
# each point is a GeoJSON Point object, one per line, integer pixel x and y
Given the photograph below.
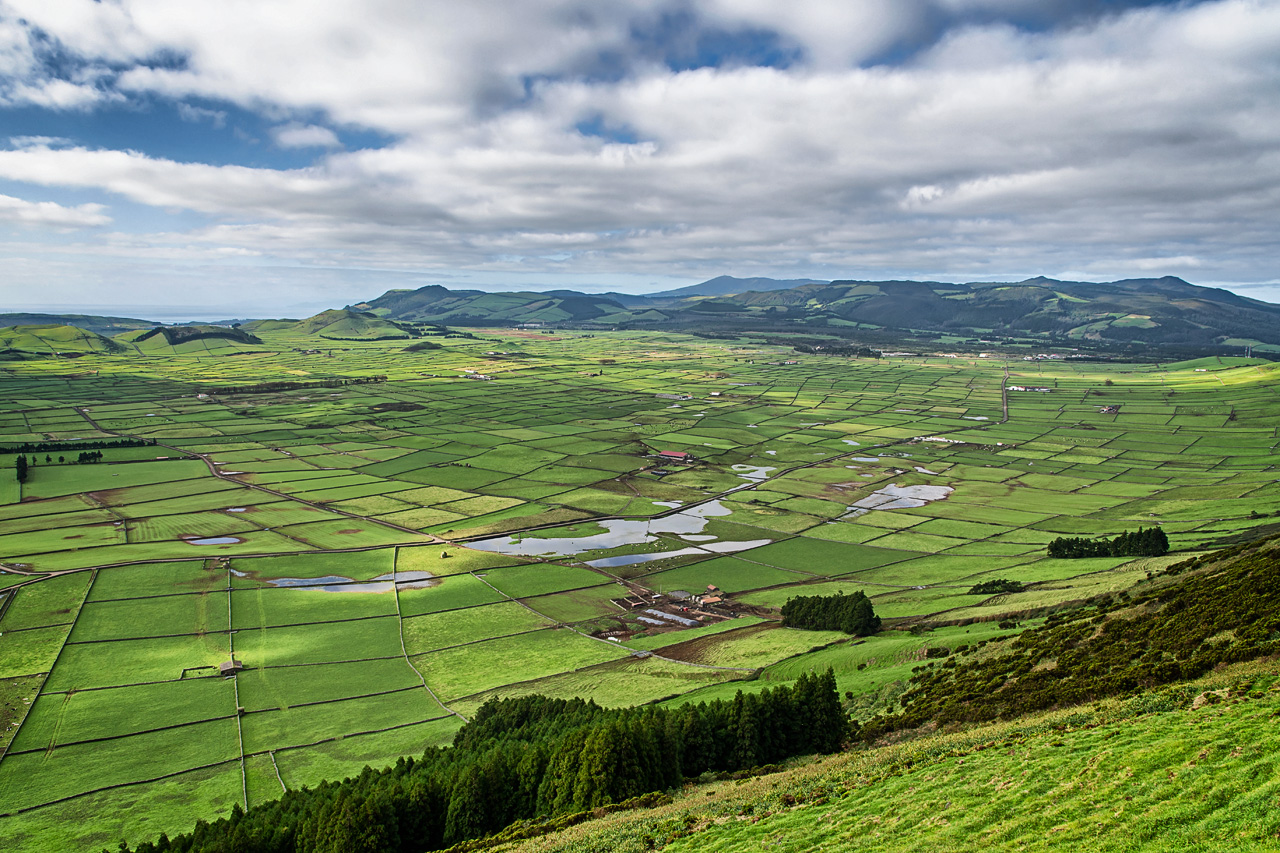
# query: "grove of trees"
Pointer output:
{"type": "Point", "coordinates": [525, 758]}
{"type": "Point", "coordinates": [1150, 542]}
{"type": "Point", "coordinates": [851, 613]}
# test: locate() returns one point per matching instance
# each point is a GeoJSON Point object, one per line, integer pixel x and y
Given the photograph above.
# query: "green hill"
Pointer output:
{"type": "Point", "coordinates": [46, 340]}
{"type": "Point", "coordinates": [1186, 768]}
{"type": "Point", "coordinates": [1164, 312]}
{"type": "Point", "coordinates": [338, 324]}
{"type": "Point", "coordinates": [191, 340]}
{"type": "Point", "coordinates": [89, 322]}
{"type": "Point", "coordinates": [472, 307]}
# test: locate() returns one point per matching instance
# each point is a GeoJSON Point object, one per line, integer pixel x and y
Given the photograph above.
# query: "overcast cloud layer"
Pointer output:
{"type": "Point", "coordinates": [250, 157]}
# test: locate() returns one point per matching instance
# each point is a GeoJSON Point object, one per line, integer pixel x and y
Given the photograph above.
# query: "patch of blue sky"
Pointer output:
{"type": "Point", "coordinates": [598, 125]}
{"type": "Point", "coordinates": [190, 131]}
{"type": "Point", "coordinates": [676, 40]}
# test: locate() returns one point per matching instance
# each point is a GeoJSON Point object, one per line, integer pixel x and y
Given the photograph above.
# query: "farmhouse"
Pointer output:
{"type": "Point", "coordinates": [675, 456]}
{"type": "Point", "coordinates": [230, 667]}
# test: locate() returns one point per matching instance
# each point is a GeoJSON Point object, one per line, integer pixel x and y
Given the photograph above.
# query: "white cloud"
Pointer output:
{"type": "Point", "coordinates": [38, 141]}
{"type": "Point", "coordinates": [48, 213]}
{"type": "Point", "coordinates": [1142, 139]}
{"type": "Point", "coordinates": [296, 135]}
{"type": "Point", "coordinates": [196, 115]}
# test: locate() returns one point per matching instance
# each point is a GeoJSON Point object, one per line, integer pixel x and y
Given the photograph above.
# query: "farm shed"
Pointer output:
{"type": "Point", "coordinates": [671, 617]}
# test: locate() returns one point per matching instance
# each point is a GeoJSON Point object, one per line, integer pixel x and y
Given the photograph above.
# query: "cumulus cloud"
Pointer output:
{"type": "Point", "coordinates": [47, 213]}
{"type": "Point", "coordinates": [196, 115]}
{"type": "Point", "coordinates": [296, 135]}
{"type": "Point", "coordinates": [918, 137]}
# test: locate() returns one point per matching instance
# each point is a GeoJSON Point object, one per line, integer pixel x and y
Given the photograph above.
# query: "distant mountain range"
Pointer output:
{"type": "Point", "coordinates": [1130, 314]}
{"type": "Point", "coordinates": [1158, 311]}
{"type": "Point", "coordinates": [727, 285]}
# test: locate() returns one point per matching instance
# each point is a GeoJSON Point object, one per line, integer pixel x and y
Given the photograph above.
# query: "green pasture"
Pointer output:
{"type": "Point", "coordinates": [469, 625]}
{"type": "Point", "coordinates": [48, 481]}
{"type": "Point", "coordinates": [85, 715]}
{"type": "Point", "coordinates": [341, 757]}
{"type": "Point", "coordinates": [282, 687]}
{"type": "Point", "coordinates": [151, 579]}
{"type": "Point", "coordinates": [51, 601]}
{"type": "Point", "coordinates": [320, 642]}
{"type": "Point", "coordinates": [539, 579]}
{"type": "Point", "coordinates": [266, 607]}
{"type": "Point", "coordinates": [466, 670]}
{"type": "Point", "coordinates": [300, 725]}
{"type": "Point", "coordinates": [154, 616]}
{"type": "Point", "coordinates": [82, 666]}
{"type": "Point", "coordinates": [328, 687]}
{"type": "Point", "coordinates": [617, 683]}
{"type": "Point", "coordinates": [34, 778]}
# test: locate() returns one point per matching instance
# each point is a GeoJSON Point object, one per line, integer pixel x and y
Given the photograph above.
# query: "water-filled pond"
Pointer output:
{"type": "Point", "coordinates": [898, 497]}
{"type": "Point", "coordinates": [687, 524]}
{"type": "Point", "coordinates": [337, 583]}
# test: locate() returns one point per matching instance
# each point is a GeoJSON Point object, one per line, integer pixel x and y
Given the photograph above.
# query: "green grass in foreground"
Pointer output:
{"type": "Point", "coordinates": [1193, 767]}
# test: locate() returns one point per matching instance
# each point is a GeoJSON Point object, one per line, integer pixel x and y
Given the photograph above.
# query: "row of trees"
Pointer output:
{"type": "Point", "coordinates": [22, 465]}
{"type": "Point", "coordinates": [1151, 542]}
{"type": "Point", "coordinates": [527, 758]}
{"type": "Point", "coordinates": [59, 446]}
{"type": "Point", "coordinates": [852, 613]}
{"type": "Point", "coordinates": [295, 385]}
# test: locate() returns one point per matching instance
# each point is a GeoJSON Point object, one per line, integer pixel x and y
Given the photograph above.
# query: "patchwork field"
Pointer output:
{"type": "Point", "coordinates": [389, 542]}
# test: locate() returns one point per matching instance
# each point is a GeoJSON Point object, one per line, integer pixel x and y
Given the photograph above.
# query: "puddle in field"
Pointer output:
{"type": "Point", "coordinates": [865, 458]}
{"type": "Point", "coordinates": [215, 540]}
{"type": "Point", "coordinates": [925, 471]}
{"type": "Point", "coordinates": [337, 583]}
{"type": "Point", "coordinates": [898, 497]}
{"type": "Point", "coordinates": [237, 509]}
{"type": "Point", "coordinates": [671, 504]}
{"type": "Point", "coordinates": [714, 547]}
{"type": "Point", "coordinates": [754, 473]}
{"type": "Point", "coordinates": [851, 442]}
{"type": "Point", "coordinates": [620, 532]}
{"type": "Point", "coordinates": [976, 418]}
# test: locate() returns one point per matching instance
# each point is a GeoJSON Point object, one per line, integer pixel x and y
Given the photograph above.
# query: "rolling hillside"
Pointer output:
{"type": "Point", "coordinates": [336, 324]}
{"type": "Point", "coordinates": [727, 285]}
{"type": "Point", "coordinates": [1165, 311]}
{"type": "Point", "coordinates": [1153, 312]}
{"type": "Point", "coordinates": [89, 322]}
{"type": "Point", "coordinates": [1164, 737]}
{"type": "Point", "coordinates": [45, 340]}
{"type": "Point", "coordinates": [473, 307]}
{"type": "Point", "coordinates": [190, 340]}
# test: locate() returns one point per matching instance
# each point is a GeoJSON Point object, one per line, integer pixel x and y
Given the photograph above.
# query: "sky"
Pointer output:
{"type": "Point", "coordinates": [247, 158]}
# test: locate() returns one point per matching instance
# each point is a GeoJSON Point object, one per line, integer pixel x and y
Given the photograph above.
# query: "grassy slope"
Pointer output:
{"type": "Point", "coordinates": [1161, 771]}
{"type": "Point", "coordinates": [55, 338]}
